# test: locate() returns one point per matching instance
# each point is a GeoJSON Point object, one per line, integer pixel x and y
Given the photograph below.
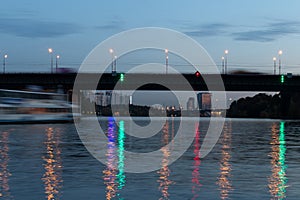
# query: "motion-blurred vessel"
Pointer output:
{"type": "Point", "coordinates": [17, 106]}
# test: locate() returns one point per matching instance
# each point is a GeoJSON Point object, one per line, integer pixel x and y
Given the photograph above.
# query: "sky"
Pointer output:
{"type": "Point", "coordinates": [253, 31]}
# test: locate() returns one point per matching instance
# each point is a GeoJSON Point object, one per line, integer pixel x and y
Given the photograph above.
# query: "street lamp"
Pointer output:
{"type": "Point", "coordinates": [167, 60]}
{"type": "Point", "coordinates": [115, 64]}
{"type": "Point", "coordinates": [223, 70]}
{"type": "Point", "coordinates": [226, 53]}
{"type": "Point", "coordinates": [50, 50]}
{"type": "Point", "coordinates": [279, 60]}
{"type": "Point", "coordinates": [274, 60]}
{"type": "Point", "coordinates": [56, 62]}
{"type": "Point", "coordinates": [113, 72]}
{"type": "Point", "coordinates": [4, 62]}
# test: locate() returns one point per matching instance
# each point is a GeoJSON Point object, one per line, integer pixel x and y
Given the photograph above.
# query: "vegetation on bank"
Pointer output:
{"type": "Point", "coordinates": [262, 106]}
{"type": "Point", "coordinates": [258, 106]}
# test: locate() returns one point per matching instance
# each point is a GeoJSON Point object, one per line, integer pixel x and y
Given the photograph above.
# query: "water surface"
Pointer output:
{"type": "Point", "coordinates": [252, 159]}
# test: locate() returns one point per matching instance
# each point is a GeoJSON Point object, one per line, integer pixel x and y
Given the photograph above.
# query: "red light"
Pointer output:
{"type": "Point", "coordinates": [197, 74]}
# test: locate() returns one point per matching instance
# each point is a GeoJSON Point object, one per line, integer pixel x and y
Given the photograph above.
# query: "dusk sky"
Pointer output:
{"type": "Point", "coordinates": [253, 31]}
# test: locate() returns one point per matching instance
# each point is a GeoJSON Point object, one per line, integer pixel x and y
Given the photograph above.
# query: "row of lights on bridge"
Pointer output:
{"type": "Point", "coordinates": [114, 61]}
{"type": "Point", "coordinates": [50, 51]}
{"type": "Point", "coordinates": [224, 61]}
{"type": "Point", "coordinates": [197, 73]}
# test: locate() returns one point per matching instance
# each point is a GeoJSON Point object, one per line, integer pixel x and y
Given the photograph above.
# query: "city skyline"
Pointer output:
{"type": "Point", "coordinates": [253, 32]}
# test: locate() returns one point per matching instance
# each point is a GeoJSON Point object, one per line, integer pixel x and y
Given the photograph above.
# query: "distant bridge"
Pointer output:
{"type": "Point", "coordinates": [289, 87]}
{"type": "Point", "coordinates": [242, 82]}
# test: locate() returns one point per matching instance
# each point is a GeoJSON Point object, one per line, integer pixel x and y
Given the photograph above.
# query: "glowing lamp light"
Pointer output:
{"type": "Point", "coordinates": [197, 74]}
{"type": "Point", "coordinates": [122, 77]}
{"type": "Point", "coordinates": [282, 78]}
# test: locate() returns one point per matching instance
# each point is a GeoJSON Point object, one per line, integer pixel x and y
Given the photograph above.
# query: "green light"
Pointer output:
{"type": "Point", "coordinates": [282, 79]}
{"type": "Point", "coordinates": [121, 137]}
{"type": "Point", "coordinates": [122, 77]}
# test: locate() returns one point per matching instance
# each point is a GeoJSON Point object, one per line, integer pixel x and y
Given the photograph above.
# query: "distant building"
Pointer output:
{"type": "Point", "coordinates": [190, 105]}
{"type": "Point", "coordinates": [105, 98]}
{"type": "Point", "coordinates": [204, 100]}
{"type": "Point", "coordinates": [99, 98]}
{"type": "Point", "coordinates": [117, 98]}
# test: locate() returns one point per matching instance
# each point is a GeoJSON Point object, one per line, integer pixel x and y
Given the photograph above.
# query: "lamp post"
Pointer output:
{"type": "Point", "coordinates": [50, 50]}
{"type": "Point", "coordinates": [4, 62]}
{"type": "Point", "coordinates": [115, 64]}
{"type": "Point", "coordinates": [223, 70]}
{"type": "Point", "coordinates": [113, 72]}
{"type": "Point", "coordinates": [56, 63]}
{"type": "Point", "coordinates": [167, 60]}
{"type": "Point", "coordinates": [274, 60]}
{"type": "Point", "coordinates": [226, 53]}
{"type": "Point", "coordinates": [279, 61]}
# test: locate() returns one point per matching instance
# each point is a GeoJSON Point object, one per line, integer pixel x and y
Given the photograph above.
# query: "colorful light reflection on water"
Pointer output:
{"type": "Point", "coordinates": [224, 182]}
{"type": "Point", "coordinates": [278, 179]}
{"type": "Point", "coordinates": [196, 185]}
{"type": "Point", "coordinates": [110, 172]}
{"type": "Point", "coordinates": [114, 176]}
{"type": "Point", "coordinates": [164, 172]}
{"type": "Point", "coordinates": [4, 171]}
{"type": "Point", "coordinates": [47, 161]}
{"type": "Point", "coordinates": [53, 165]}
{"type": "Point", "coordinates": [121, 140]}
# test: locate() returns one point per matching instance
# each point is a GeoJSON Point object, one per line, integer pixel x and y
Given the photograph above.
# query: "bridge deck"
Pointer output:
{"type": "Point", "coordinates": [244, 82]}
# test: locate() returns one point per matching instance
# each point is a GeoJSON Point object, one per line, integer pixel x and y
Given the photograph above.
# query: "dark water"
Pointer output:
{"type": "Point", "coordinates": [254, 159]}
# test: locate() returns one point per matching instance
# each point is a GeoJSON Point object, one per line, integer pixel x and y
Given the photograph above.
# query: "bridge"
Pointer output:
{"type": "Point", "coordinates": [241, 82]}
{"type": "Point", "coordinates": [289, 87]}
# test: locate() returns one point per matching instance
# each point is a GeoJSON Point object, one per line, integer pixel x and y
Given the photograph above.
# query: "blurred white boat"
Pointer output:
{"type": "Point", "coordinates": [18, 106]}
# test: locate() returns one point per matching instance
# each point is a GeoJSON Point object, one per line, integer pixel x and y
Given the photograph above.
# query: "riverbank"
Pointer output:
{"type": "Point", "coordinates": [264, 106]}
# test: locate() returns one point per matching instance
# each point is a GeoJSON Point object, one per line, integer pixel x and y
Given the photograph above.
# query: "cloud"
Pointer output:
{"type": "Point", "coordinates": [207, 30]}
{"type": "Point", "coordinates": [112, 25]}
{"type": "Point", "coordinates": [266, 33]}
{"type": "Point", "coordinates": [270, 32]}
{"type": "Point", "coordinates": [34, 28]}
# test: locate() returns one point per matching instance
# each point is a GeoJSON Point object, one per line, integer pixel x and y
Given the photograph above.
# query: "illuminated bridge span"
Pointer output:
{"type": "Point", "coordinates": [289, 87]}
{"type": "Point", "coordinates": [244, 82]}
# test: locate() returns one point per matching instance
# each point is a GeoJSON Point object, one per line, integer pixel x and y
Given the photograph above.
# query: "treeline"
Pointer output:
{"type": "Point", "coordinates": [259, 106]}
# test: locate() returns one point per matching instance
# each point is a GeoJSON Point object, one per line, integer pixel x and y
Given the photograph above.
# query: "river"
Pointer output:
{"type": "Point", "coordinates": [253, 159]}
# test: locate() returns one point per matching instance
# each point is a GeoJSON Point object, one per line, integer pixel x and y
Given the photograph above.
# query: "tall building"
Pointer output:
{"type": "Point", "coordinates": [107, 98]}
{"type": "Point", "coordinates": [190, 105]}
{"type": "Point", "coordinates": [204, 100]}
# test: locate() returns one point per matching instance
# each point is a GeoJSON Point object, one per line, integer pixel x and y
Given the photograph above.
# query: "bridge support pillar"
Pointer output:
{"type": "Point", "coordinates": [290, 105]}
{"type": "Point", "coordinates": [285, 104]}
